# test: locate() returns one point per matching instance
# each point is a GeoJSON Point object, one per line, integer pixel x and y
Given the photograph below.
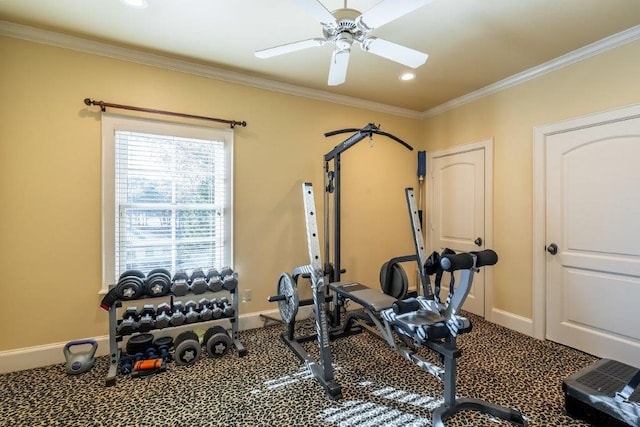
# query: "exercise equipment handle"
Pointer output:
{"type": "Point", "coordinates": [406, 306]}
{"type": "Point", "coordinates": [450, 262]}
{"type": "Point", "coordinates": [93, 343]}
{"type": "Point", "coordinates": [485, 257]}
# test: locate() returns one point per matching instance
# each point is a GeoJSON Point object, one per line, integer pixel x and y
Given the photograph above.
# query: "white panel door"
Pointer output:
{"type": "Point", "coordinates": [457, 213]}
{"type": "Point", "coordinates": [593, 218]}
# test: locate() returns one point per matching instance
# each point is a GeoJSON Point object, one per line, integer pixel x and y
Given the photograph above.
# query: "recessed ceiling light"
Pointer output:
{"type": "Point", "coordinates": [137, 4]}
{"type": "Point", "coordinates": [407, 76]}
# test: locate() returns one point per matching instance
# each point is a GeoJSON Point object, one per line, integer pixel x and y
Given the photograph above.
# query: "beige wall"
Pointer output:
{"type": "Point", "coordinates": [50, 179]}
{"type": "Point", "coordinates": [50, 182]}
{"type": "Point", "coordinates": [603, 82]}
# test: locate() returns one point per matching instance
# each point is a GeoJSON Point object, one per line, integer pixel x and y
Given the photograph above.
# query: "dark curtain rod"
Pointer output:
{"type": "Point", "coordinates": [103, 106]}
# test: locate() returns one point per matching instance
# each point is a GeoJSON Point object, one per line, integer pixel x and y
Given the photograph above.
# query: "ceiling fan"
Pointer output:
{"type": "Point", "coordinates": [345, 26]}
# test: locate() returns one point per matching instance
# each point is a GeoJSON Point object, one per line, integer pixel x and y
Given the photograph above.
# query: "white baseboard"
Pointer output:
{"type": "Point", "coordinates": [51, 354]}
{"type": "Point", "coordinates": [513, 321]}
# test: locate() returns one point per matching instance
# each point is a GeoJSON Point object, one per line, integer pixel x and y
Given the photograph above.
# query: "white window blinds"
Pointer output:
{"type": "Point", "coordinates": [171, 199]}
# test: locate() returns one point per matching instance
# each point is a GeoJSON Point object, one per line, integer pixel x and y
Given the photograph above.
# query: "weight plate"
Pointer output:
{"type": "Point", "coordinates": [187, 352]}
{"type": "Point", "coordinates": [289, 305]}
{"type": "Point", "coordinates": [164, 341]}
{"type": "Point", "coordinates": [139, 343]}
{"type": "Point", "coordinates": [217, 341]}
{"type": "Point", "coordinates": [163, 271]}
{"type": "Point", "coordinates": [134, 273]}
{"type": "Point", "coordinates": [395, 282]}
{"type": "Point", "coordinates": [129, 287]}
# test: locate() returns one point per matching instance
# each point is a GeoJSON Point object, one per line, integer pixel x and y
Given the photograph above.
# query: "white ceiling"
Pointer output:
{"type": "Point", "coordinates": [471, 43]}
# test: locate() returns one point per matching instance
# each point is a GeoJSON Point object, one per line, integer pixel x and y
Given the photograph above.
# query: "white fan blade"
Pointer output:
{"type": "Point", "coordinates": [395, 52]}
{"type": "Point", "coordinates": [388, 10]}
{"type": "Point", "coordinates": [338, 68]}
{"type": "Point", "coordinates": [319, 12]}
{"type": "Point", "coordinates": [289, 47]}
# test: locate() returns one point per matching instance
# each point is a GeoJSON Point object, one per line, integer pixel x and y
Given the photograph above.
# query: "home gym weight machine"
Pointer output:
{"type": "Point", "coordinates": [417, 321]}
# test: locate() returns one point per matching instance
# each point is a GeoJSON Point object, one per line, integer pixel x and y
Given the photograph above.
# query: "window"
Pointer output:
{"type": "Point", "coordinates": [166, 196]}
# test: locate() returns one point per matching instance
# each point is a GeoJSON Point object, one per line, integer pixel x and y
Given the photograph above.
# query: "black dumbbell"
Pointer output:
{"type": "Point", "coordinates": [216, 341]}
{"type": "Point", "coordinates": [216, 311]}
{"type": "Point", "coordinates": [229, 279]}
{"type": "Point", "coordinates": [205, 310]}
{"type": "Point", "coordinates": [198, 282]}
{"type": "Point", "coordinates": [163, 315]}
{"type": "Point", "coordinates": [147, 321]}
{"type": "Point", "coordinates": [227, 309]}
{"type": "Point", "coordinates": [214, 281]}
{"type": "Point", "coordinates": [180, 284]}
{"type": "Point", "coordinates": [129, 322]}
{"type": "Point", "coordinates": [177, 314]}
{"type": "Point", "coordinates": [130, 285]}
{"type": "Point", "coordinates": [158, 282]}
{"type": "Point", "coordinates": [187, 348]}
{"type": "Point", "coordinates": [191, 313]}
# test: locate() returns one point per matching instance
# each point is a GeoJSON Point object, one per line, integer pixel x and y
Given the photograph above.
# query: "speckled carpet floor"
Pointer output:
{"type": "Point", "coordinates": [270, 386]}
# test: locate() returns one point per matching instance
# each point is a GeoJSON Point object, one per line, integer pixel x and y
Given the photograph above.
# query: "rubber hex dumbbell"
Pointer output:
{"type": "Point", "coordinates": [229, 279]}
{"type": "Point", "coordinates": [177, 314]}
{"type": "Point", "coordinates": [163, 315]}
{"type": "Point", "coordinates": [129, 322]}
{"type": "Point", "coordinates": [191, 313]}
{"type": "Point", "coordinates": [216, 341]}
{"type": "Point", "coordinates": [147, 321]}
{"type": "Point", "coordinates": [187, 348]}
{"type": "Point", "coordinates": [180, 284]}
{"type": "Point", "coordinates": [227, 309]}
{"type": "Point", "coordinates": [214, 281]}
{"type": "Point", "coordinates": [205, 309]}
{"type": "Point", "coordinates": [216, 311]}
{"type": "Point", "coordinates": [198, 282]}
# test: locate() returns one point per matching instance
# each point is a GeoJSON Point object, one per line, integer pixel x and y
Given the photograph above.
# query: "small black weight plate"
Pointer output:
{"type": "Point", "coordinates": [134, 273]}
{"type": "Point", "coordinates": [394, 282]}
{"type": "Point", "coordinates": [139, 343]}
{"type": "Point", "coordinates": [160, 271]}
{"type": "Point", "coordinates": [163, 341]}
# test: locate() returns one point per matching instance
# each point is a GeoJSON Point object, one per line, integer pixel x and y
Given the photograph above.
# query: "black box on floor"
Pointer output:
{"type": "Point", "coordinates": [590, 394]}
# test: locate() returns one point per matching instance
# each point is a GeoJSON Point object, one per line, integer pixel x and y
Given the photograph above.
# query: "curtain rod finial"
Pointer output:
{"type": "Point", "coordinates": [88, 101]}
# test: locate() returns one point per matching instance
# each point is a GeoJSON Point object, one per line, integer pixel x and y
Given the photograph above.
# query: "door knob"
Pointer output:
{"type": "Point", "coordinates": [478, 241]}
{"type": "Point", "coordinates": [552, 249]}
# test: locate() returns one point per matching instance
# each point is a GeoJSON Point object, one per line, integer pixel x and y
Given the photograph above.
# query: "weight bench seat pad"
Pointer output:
{"type": "Point", "coordinates": [363, 295]}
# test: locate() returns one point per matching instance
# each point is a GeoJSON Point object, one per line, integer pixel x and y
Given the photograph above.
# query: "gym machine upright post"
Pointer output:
{"type": "Point", "coordinates": [287, 297]}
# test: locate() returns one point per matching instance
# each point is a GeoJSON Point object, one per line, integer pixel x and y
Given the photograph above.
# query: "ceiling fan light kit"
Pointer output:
{"type": "Point", "coordinates": [345, 26]}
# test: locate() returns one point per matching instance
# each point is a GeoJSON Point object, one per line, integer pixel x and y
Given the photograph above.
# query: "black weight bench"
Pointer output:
{"type": "Point", "coordinates": [368, 298]}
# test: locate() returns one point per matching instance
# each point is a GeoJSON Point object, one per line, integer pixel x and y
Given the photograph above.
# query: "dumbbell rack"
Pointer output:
{"type": "Point", "coordinates": [115, 337]}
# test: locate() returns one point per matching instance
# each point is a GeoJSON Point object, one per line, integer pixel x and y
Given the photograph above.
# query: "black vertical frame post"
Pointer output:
{"type": "Point", "coordinates": [334, 155]}
{"type": "Point", "coordinates": [336, 221]}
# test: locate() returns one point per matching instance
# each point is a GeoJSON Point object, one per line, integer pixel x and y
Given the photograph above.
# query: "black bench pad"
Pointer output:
{"type": "Point", "coordinates": [363, 295]}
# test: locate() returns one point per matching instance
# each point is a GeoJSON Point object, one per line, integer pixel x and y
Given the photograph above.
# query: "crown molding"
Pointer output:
{"type": "Point", "coordinates": [65, 41]}
{"type": "Point", "coordinates": [37, 35]}
{"type": "Point", "coordinates": [627, 36]}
